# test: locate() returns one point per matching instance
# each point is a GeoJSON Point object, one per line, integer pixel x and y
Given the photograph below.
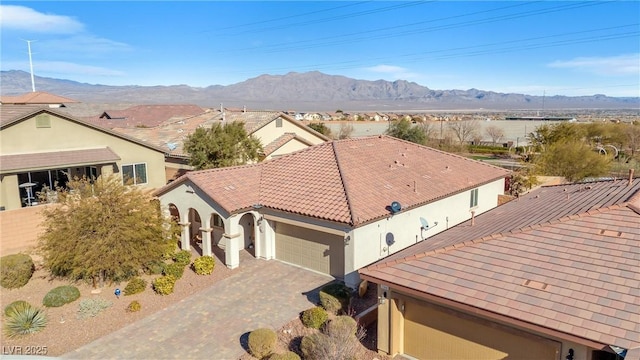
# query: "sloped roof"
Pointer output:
{"type": "Point", "coordinates": [145, 116]}
{"type": "Point", "coordinates": [280, 141]}
{"type": "Point", "coordinates": [350, 181]}
{"type": "Point", "coordinates": [38, 97]}
{"type": "Point", "coordinates": [52, 159]}
{"type": "Point", "coordinates": [576, 271]}
{"type": "Point", "coordinates": [171, 135]}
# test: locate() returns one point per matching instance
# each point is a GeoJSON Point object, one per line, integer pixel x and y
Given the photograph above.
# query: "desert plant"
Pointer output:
{"type": "Point", "coordinates": [61, 295]}
{"type": "Point", "coordinates": [15, 270]}
{"type": "Point", "coordinates": [182, 257]}
{"type": "Point", "coordinates": [204, 265]}
{"type": "Point", "coordinates": [289, 355]}
{"type": "Point", "coordinates": [24, 319]}
{"type": "Point", "coordinates": [135, 286]}
{"type": "Point", "coordinates": [333, 345]}
{"type": "Point", "coordinates": [262, 342]}
{"type": "Point", "coordinates": [11, 307]}
{"type": "Point", "coordinates": [175, 269]}
{"type": "Point", "coordinates": [343, 324]}
{"type": "Point", "coordinates": [154, 267]}
{"type": "Point", "coordinates": [134, 306]}
{"type": "Point", "coordinates": [315, 317]}
{"type": "Point", "coordinates": [335, 297]}
{"type": "Point", "coordinates": [309, 343]}
{"type": "Point", "coordinates": [92, 307]}
{"type": "Point", "coordinates": [164, 284]}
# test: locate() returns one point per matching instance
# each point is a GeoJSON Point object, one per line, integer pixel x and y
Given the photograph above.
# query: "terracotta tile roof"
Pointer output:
{"type": "Point", "coordinates": [38, 97]}
{"type": "Point", "coordinates": [281, 141]}
{"type": "Point", "coordinates": [145, 116]}
{"type": "Point", "coordinates": [353, 181]}
{"type": "Point", "coordinates": [53, 159]}
{"type": "Point", "coordinates": [577, 272]}
{"type": "Point", "coordinates": [11, 113]}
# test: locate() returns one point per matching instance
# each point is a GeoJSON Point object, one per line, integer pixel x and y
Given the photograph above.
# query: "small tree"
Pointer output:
{"type": "Point", "coordinates": [221, 146]}
{"type": "Point", "coordinates": [321, 128]}
{"type": "Point", "coordinates": [405, 130]}
{"type": "Point", "coordinates": [103, 230]}
{"type": "Point", "coordinates": [464, 130]}
{"type": "Point", "coordinates": [573, 160]}
{"type": "Point", "coordinates": [345, 131]}
{"type": "Point", "coordinates": [495, 133]}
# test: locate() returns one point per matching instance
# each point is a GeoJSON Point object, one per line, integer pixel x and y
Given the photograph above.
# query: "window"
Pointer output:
{"type": "Point", "coordinates": [217, 221]}
{"type": "Point", "coordinates": [134, 174]}
{"type": "Point", "coordinates": [279, 122]}
{"type": "Point", "coordinates": [473, 202]}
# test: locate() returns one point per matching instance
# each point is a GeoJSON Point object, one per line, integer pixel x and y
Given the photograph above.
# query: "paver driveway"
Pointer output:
{"type": "Point", "coordinates": [209, 325]}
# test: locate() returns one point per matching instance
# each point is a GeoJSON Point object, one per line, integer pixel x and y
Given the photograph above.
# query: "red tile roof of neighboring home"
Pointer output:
{"type": "Point", "coordinates": [47, 160]}
{"type": "Point", "coordinates": [268, 149]}
{"type": "Point", "coordinates": [570, 270]}
{"type": "Point", "coordinates": [145, 116]}
{"type": "Point", "coordinates": [349, 181]}
{"type": "Point", "coordinates": [38, 97]}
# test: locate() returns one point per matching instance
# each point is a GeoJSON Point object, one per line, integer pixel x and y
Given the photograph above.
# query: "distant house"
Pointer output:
{"type": "Point", "coordinates": [278, 133]}
{"type": "Point", "coordinates": [37, 98]}
{"type": "Point", "coordinates": [554, 274]}
{"type": "Point", "coordinates": [145, 116]}
{"type": "Point", "coordinates": [43, 147]}
{"type": "Point", "coordinates": [333, 207]}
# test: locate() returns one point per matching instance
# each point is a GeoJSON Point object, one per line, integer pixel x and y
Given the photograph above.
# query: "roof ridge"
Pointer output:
{"type": "Point", "coordinates": [344, 184]}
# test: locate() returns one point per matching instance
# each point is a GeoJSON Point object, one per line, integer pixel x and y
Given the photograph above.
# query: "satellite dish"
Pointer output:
{"type": "Point", "coordinates": [395, 207]}
{"type": "Point", "coordinates": [424, 222]}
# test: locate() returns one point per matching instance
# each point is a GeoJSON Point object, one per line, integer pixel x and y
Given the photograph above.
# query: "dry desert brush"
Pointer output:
{"type": "Point", "coordinates": [15, 270]}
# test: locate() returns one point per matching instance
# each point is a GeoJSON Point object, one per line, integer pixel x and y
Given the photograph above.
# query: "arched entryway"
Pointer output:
{"type": "Point", "coordinates": [174, 213]}
{"type": "Point", "coordinates": [195, 238]}
{"type": "Point", "coordinates": [248, 232]}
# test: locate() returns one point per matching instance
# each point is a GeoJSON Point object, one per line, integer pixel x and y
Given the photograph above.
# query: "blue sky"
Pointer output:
{"type": "Point", "coordinates": [538, 47]}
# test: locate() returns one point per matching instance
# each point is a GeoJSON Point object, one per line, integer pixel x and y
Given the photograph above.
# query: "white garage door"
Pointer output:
{"type": "Point", "coordinates": [311, 249]}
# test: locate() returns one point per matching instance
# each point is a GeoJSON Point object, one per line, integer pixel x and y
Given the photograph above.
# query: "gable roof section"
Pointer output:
{"type": "Point", "coordinates": [578, 274]}
{"type": "Point", "coordinates": [279, 142]}
{"type": "Point", "coordinates": [353, 181]}
{"type": "Point", "coordinates": [145, 116]}
{"type": "Point", "coordinates": [52, 159]}
{"type": "Point", "coordinates": [38, 97]}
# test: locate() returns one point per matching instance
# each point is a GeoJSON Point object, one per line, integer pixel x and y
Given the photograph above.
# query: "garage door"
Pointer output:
{"type": "Point", "coordinates": [430, 333]}
{"type": "Point", "coordinates": [311, 249]}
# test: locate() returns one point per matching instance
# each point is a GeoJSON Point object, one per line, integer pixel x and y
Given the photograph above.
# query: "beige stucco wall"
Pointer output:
{"type": "Point", "coordinates": [289, 147]}
{"type": "Point", "coordinates": [24, 137]}
{"type": "Point", "coordinates": [270, 132]}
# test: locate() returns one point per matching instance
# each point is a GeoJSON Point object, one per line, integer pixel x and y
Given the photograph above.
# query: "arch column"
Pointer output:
{"type": "Point", "coordinates": [205, 231]}
{"type": "Point", "coordinates": [184, 236]}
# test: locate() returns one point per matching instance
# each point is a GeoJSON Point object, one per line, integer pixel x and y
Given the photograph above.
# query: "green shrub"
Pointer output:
{"type": "Point", "coordinates": [175, 269]}
{"type": "Point", "coordinates": [164, 284]}
{"type": "Point", "coordinates": [154, 267]}
{"type": "Point", "coordinates": [289, 355]}
{"type": "Point", "coordinates": [315, 317]}
{"type": "Point", "coordinates": [15, 270]}
{"type": "Point", "coordinates": [309, 344]}
{"type": "Point", "coordinates": [262, 342]}
{"type": "Point", "coordinates": [24, 319]}
{"type": "Point", "coordinates": [134, 306]}
{"type": "Point", "coordinates": [342, 325]}
{"type": "Point", "coordinates": [61, 295]}
{"type": "Point", "coordinates": [92, 307]}
{"type": "Point", "coordinates": [11, 307]}
{"type": "Point", "coordinates": [335, 297]}
{"type": "Point", "coordinates": [182, 257]}
{"type": "Point", "coordinates": [204, 265]}
{"type": "Point", "coordinates": [135, 286]}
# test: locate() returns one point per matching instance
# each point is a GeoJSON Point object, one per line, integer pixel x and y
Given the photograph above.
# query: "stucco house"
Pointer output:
{"type": "Point", "coordinates": [333, 207]}
{"type": "Point", "coordinates": [145, 116]}
{"type": "Point", "coordinates": [278, 133]}
{"type": "Point", "coordinates": [42, 147]}
{"type": "Point", "coordinates": [37, 98]}
{"type": "Point", "coordinates": [554, 274]}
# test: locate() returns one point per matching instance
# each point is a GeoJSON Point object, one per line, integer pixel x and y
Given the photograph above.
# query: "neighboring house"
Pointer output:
{"type": "Point", "coordinates": [278, 133]}
{"type": "Point", "coordinates": [46, 147]}
{"type": "Point", "coordinates": [333, 207]}
{"type": "Point", "coordinates": [552, 273]}
{"type": "Point", "coordinates": [37, 98]}
{"type": "Point", "coordinates": [144, 116]}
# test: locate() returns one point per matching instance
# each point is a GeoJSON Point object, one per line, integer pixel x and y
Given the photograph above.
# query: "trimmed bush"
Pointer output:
{"type": "Point", "coordinates": [335, 297]}
{"type": "Point", "coordinates": [342, 325]}
{"type": "Point", "coordinates": [164, 284]}
{"type": "Point", "coordinates": [204, 265]}
{"type": "Point", "coordinates": [176, 270]}
{"type": "Point", "coordinates": [11, 307]}
{"type": "Point", "coordinates": [262, 342]}
{"type": "Point", "coordinates": [315, 317]}
{"type": "Point", "coordinates": [92, 307]}
{"type": "Point", "coordinates": [61, 295]}
{"type": "Point", "coordinates": [289, 355]}
{"type": "Point", "coordinates": [15, 270]}
{"type": "Point", "coordinates": [309, 343]}
{"type": "Point", "coordinates": [134, 306]}
{"type": "Point", "coordinates": [24, 319]}
{"type": "Point", "coordinates": [182, 257]}
{"type": "Point", "coordinates": [135, 286]}
{"type": "Point", "coordinates": [154, 267]}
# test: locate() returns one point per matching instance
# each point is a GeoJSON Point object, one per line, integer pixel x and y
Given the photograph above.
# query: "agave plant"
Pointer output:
{"type": "Point", "coordinates": [23, 320]}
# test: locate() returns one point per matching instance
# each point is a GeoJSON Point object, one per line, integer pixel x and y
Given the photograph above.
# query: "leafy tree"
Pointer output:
{"type": "Point", "coordinates": [221, 146]}
{"type": "Point", "coordinates": [103, 229]}
{"type": "Point", "coordinates": [545, 135]}
{"type": "Point", "coordinates": [321, 128]}
{"type": "Point", "coordinates": [495, 133]}
{"type": "Point", "coordinates": [403, 129]}
{"type": "Point", "coordinates": [574, 160]}
{"type": "Point", "coordinates": [465, 130]}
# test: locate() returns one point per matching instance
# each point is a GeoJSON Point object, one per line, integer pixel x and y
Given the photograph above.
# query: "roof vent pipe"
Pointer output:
{"type": "Point", "coordinates": [473, 218]}
{"type": "Point", "coordinates": [631, 176]}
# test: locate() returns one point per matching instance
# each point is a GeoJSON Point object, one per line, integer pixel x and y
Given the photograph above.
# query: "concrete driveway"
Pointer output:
{"type": "Point", "coordinates": [210, 324]}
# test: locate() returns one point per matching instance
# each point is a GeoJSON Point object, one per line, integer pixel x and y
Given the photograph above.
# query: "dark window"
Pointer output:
{"type": "Point", "coordinates": [473, 202]}
{"type": "Point", "coordinates": [134, 174]}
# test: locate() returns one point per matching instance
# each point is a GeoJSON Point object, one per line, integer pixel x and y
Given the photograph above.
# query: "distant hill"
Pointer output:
{"type": "Point", "coordinates": [311, 91]}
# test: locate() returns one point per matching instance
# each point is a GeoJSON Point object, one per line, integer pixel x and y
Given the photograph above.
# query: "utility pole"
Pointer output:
{"type": "Point", "coordinates": [33, 81]}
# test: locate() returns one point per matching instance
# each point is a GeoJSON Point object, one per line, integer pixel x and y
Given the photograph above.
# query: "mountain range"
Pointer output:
{"type": "Point", "coordinates": [310, 91]}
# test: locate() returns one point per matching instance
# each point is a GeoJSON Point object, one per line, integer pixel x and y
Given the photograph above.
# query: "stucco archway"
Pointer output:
{"type": "Point", "coordinates": [248, 232]}
{"type": "Point", "coordinates": [195, 223]}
